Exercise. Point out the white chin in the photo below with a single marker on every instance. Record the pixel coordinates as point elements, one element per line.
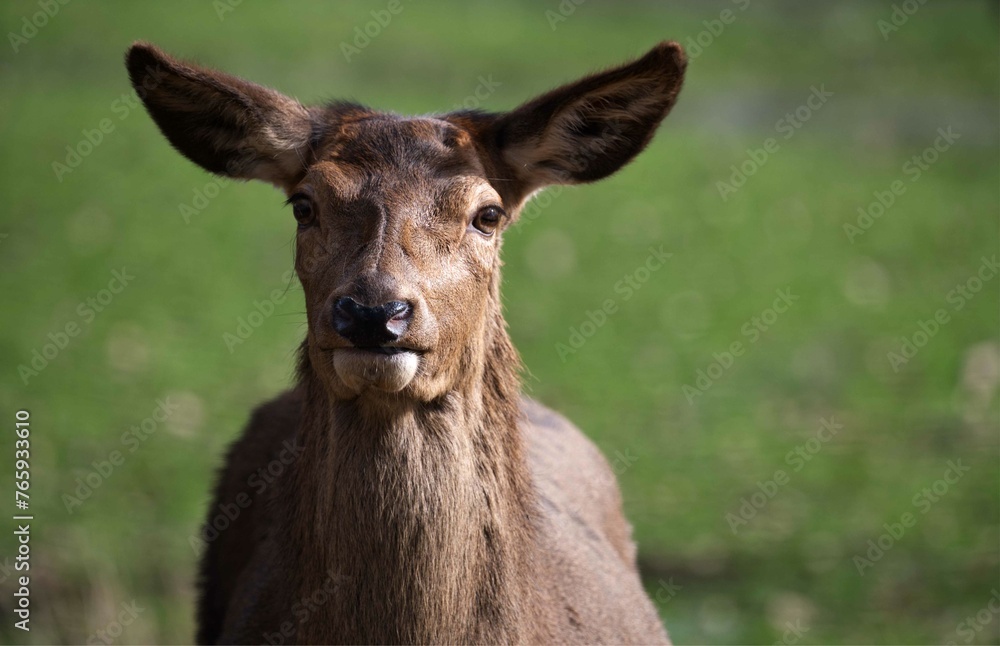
<point>361,369</point>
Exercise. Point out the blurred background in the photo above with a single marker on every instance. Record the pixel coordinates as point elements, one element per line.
<point>828,189</point>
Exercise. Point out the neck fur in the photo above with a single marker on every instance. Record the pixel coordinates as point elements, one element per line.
<point>419,514</point>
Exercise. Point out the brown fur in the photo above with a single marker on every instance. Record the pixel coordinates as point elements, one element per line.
<point>436,505</point>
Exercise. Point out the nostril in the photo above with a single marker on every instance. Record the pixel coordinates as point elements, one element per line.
<point>397,311</point>
<point>344,313</point>
<point>397,315</point>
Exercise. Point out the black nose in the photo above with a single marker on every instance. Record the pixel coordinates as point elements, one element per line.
<point>370,326</point>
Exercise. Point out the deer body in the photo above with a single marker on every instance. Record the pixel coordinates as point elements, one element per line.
<point>425,500</point>
<point>568,577</point>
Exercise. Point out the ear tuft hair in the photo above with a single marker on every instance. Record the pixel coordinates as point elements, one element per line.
<point>222,123</point>
<point>587,130</point>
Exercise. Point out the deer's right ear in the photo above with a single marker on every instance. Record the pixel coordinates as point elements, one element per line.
<point>222,123</point>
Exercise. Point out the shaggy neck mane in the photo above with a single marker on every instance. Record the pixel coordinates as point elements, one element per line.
<point>418,517</point>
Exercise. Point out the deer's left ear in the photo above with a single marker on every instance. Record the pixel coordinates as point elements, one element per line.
<point>587,130</point>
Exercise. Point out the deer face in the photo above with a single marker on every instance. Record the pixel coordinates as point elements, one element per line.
<point>399,221</point>
<point>398,246</point>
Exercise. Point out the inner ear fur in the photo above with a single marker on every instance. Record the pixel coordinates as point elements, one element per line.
<point>224,124</point>
<point>587,130</point>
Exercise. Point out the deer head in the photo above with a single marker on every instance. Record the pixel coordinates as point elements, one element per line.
<point>400,220</point>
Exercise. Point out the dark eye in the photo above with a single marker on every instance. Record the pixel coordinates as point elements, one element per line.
<point>302,209</point>
<point>487,220</point>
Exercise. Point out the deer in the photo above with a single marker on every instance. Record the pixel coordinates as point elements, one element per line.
<point>426,498</point>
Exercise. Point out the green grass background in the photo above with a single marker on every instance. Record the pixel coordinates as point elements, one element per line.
<point>688,464</point>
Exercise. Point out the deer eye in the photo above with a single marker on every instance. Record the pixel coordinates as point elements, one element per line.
<point>302,209</point>
<point>487,220</point>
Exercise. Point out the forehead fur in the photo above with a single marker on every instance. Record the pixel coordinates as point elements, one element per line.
<point>377,143</point>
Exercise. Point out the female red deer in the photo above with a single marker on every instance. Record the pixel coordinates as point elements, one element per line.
<point>426,499</point>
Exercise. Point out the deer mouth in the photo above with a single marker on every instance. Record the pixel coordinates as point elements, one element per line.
<point>385,368</point>
<point>382,349</point>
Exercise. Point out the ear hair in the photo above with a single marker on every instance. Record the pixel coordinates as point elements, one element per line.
<point>587,130</point>
<point>222,123</point>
